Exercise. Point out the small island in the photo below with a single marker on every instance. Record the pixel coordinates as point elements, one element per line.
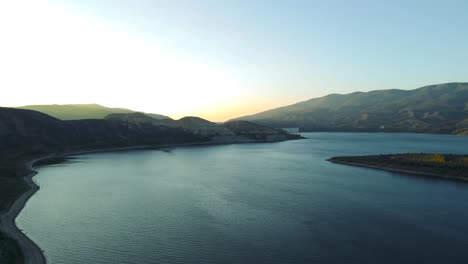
<point>449,166</point>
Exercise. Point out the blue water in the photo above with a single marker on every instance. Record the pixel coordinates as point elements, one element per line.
<point>251,203</point>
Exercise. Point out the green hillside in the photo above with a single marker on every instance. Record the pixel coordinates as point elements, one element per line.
<point>81,111</point>
<point>439,108</point>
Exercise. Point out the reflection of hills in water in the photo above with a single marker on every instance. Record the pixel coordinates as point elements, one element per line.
<point>56,161</point>
<point>167,150</point>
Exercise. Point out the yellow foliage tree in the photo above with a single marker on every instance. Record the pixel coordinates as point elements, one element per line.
<point>438,158</point>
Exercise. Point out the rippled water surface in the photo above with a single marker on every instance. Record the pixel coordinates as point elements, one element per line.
<point>251,203</point>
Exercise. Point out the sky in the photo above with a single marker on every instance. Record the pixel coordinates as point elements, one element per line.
<point>220,59</point>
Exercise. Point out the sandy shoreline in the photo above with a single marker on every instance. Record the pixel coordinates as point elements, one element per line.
<point>390,169</point>
<point>32,253</point>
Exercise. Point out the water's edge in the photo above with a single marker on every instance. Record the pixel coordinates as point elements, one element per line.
<point>32,253</point>
<point>237,199</point>
<point>400,171</point>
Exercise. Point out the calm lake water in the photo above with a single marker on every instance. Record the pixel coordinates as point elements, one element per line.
<point>251,203</point>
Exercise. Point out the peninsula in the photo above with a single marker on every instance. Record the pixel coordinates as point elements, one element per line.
<point>427,164</point>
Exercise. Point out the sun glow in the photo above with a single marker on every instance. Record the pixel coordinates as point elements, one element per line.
<point>51,55</point>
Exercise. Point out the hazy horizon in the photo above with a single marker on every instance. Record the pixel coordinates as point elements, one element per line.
<point>247,114</point>
<point>223,59</point>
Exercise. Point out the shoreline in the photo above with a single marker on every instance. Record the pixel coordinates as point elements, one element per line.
<point>32,253</point>
<point>401,171</point>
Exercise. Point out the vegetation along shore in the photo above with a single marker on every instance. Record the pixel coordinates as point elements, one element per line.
<point>427,164</point>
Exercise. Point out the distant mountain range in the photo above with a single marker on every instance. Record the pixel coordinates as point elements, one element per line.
<point>81,111</point>
<point>439,108</point>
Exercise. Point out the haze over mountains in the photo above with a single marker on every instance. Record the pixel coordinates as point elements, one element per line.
<point>81,111</point>
<point>439,108</point>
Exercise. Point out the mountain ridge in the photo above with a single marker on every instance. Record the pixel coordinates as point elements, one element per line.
<point>22,128</point>
<point>82,111</point>
<point>440,108</point>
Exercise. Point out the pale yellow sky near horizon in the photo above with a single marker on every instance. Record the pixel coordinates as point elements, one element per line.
<point>218,114</point>
<point>84,60</point>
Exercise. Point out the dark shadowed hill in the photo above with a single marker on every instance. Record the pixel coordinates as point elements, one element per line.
<point>439,108</point>
<point>21,128</point>
<point>26,135</point>
<point>81,111</point>
<point>229,132</point>
<point>194,124</point>
<point>26,128</point>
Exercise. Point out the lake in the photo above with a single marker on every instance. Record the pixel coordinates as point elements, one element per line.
<point>251,203</point>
